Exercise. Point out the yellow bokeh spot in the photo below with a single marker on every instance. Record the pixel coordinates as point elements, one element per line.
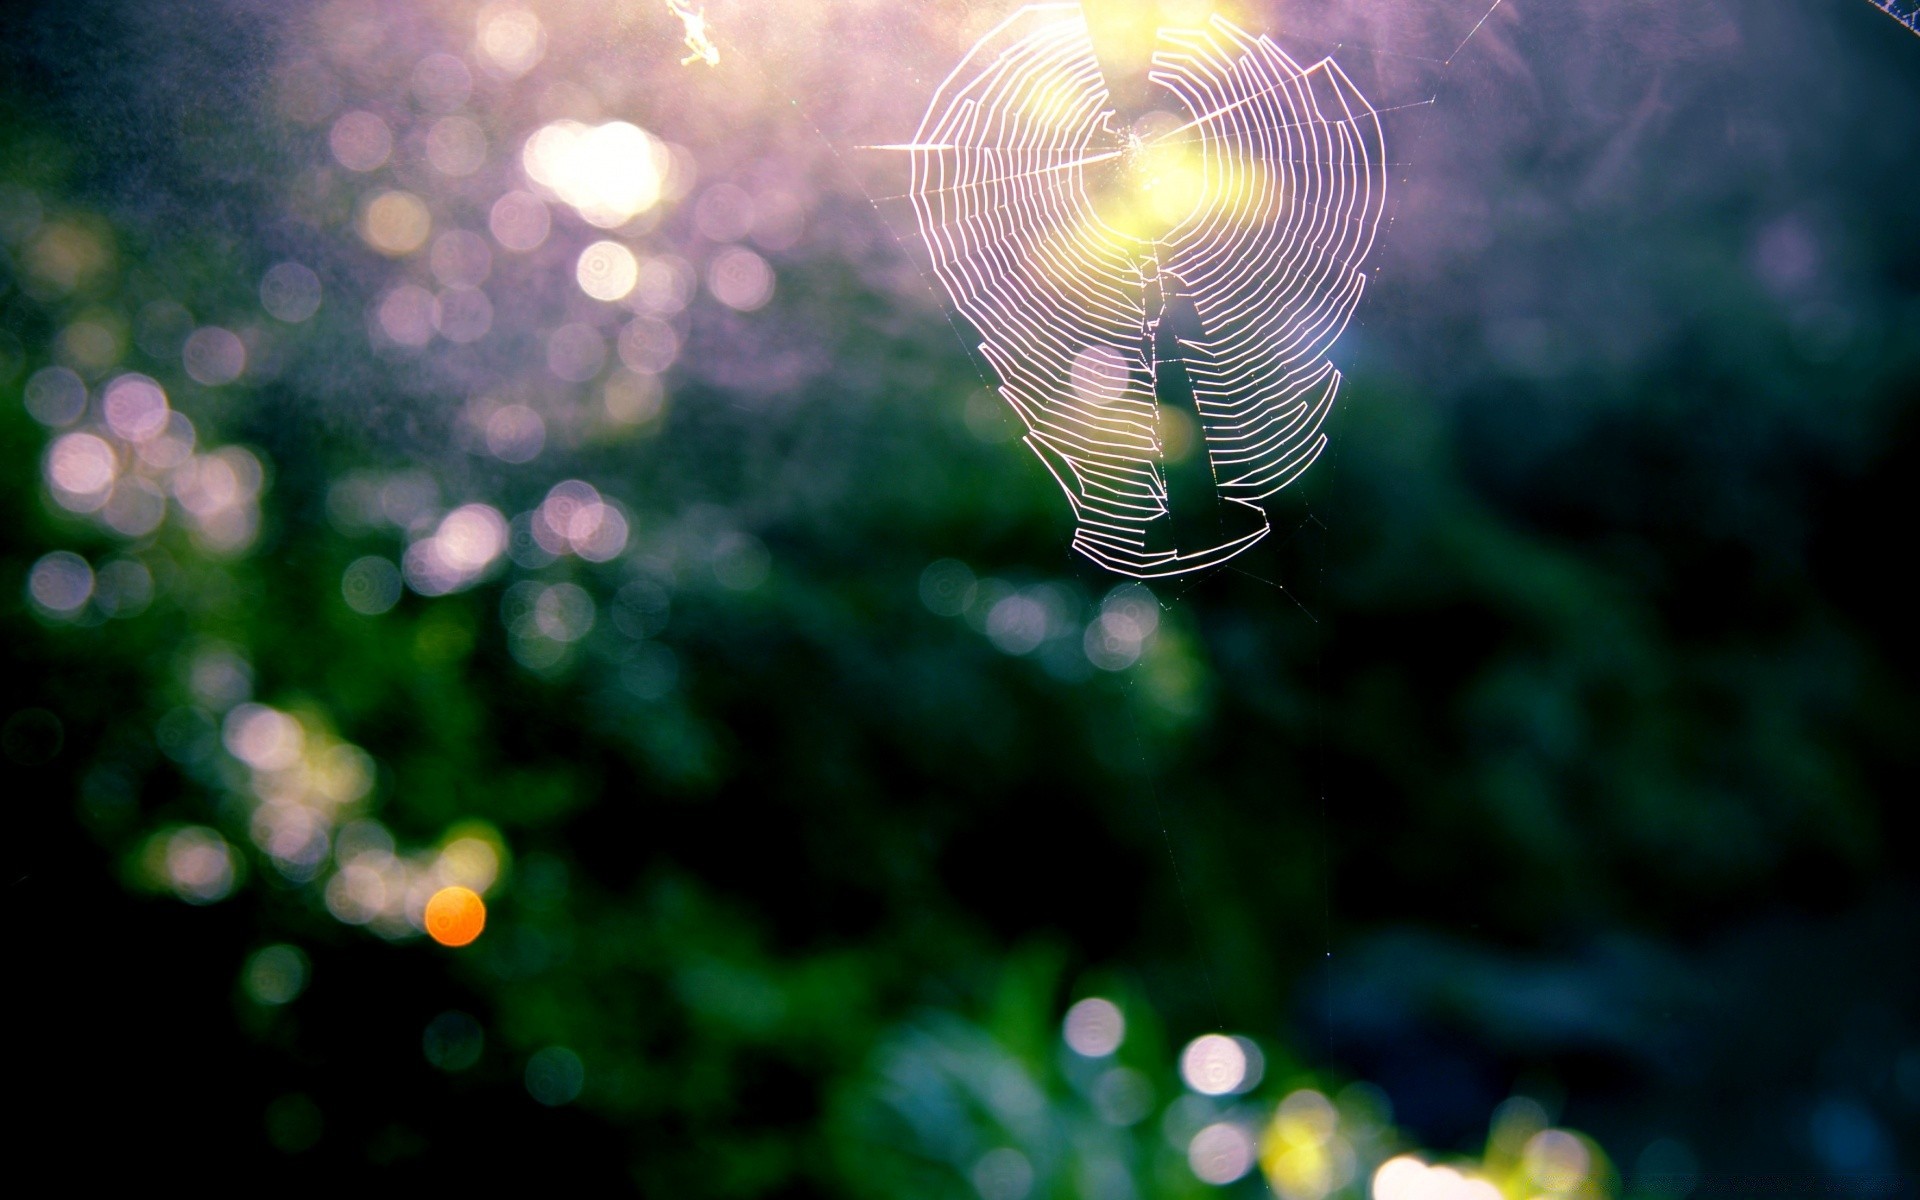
<point>1170,178</point>
<point>1072,252</point>
<point>1053,102</point>
<point>395,223</point>
<point>1302,1153</point>
<point>1158,180</point>
<point>1177,434</point>
<point>67,254</point>
<point>1302,1171</point>
<point>472,855</point>
<point>1131,29</point>
<point>1122,27</point>
<point>609,173</point>
<point>455,916</point>
<point>1187,14</point>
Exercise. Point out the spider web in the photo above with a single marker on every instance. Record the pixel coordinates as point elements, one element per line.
<point>1135,283</point>
<point>1907,12</point>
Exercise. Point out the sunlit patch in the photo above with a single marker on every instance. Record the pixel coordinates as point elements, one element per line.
<point>1556,1160</point>
<point>606,271</point>
<point>740,279</point>
<point>1515,1123</point>
<point>135,508</point>
<point>1119,633</point>
<point>214,356</point>
<point>80,470</point>
<point>515,433</point>
<point>294,834</point>
<point>94,343</point>
<point>1100,375</point>
<point>460,258</point>
<point>1406,1177</point>
<point>1306,1116</point>
<point>1221,1153</point>
<point>456,146</point>
<point>519,221</point>
<point>1157,182</point>
<point>455,916</point>
<point>724,213</point>
<point>395,223</point>
<point>575,519</point>
<point>297,786</point>
<point>664,285</point>
<point>462,314</point>
<point>1123,32</point>
<point>470,861</point>
<point>1016,624</point>
<point>359,891</point>
<point>470,537</point>
<point>219,676</point>
<point>408,315</point>
<point>1094,1027</point>
<point>66,255</point>
<point>135,408</point>
<point>195,862</point>
<point>360,141</point>
<point>263,738</point>
<point>172,446</point>
<point>1113,641</point>
<point>1056,103</point>
<point>465,544</point>
<point>633,398</point>
<point>607,173</point>
<point>1302,1153</point>
<point>441,83</point>
<point>219,494</point>
<point>511,39</point>
<point>647,346</point>
<point>1176,431</point>
<point>1213,1064</point>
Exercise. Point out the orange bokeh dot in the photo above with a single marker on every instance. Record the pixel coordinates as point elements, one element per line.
<point>455,916</point>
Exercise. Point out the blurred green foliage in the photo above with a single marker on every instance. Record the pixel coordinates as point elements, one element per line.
<point>1562,747</point>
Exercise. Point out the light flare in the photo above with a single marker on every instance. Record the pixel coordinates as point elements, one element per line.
<point>607,173</point>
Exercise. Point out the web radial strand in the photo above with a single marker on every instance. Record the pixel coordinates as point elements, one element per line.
<point>1290,187</point>
<point>1907,12</point>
